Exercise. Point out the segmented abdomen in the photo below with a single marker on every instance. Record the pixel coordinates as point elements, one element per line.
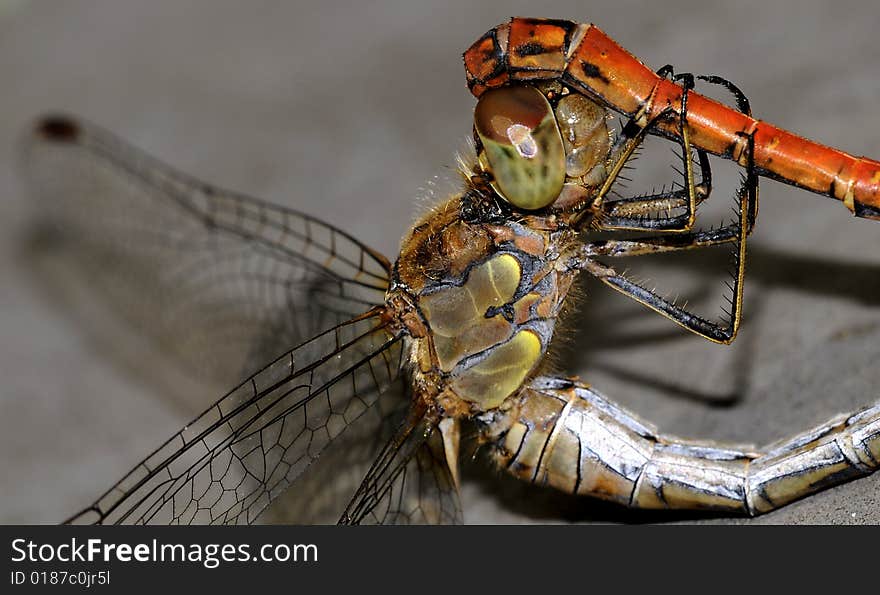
<point>567,436</point>
<point>585,58</point>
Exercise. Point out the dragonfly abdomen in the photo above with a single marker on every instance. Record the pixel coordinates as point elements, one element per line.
<point>559,432</point>
<point>583,57</point>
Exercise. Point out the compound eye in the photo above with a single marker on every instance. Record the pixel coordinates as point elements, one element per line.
<point>522,146</point>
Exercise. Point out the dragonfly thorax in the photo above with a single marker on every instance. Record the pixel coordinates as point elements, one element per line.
<point>488,295</point>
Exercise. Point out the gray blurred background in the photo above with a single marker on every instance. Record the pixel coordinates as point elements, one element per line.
<point>347,110</point>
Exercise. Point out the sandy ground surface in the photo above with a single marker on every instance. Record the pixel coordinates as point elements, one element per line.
<point>346,111</point>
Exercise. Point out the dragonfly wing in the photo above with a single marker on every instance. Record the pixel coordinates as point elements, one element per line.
<point>325,488</point>
<point>221,282</point>
<point>251,445</point>
<point>409,482</point>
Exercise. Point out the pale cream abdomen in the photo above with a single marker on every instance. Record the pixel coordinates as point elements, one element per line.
<point>563,434</point>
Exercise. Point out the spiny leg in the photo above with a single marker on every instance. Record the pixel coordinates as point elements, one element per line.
<point>691,240</point>
<point>659,244</point>
<point>736,233</point>
<point>643,207</point>
<point>743,105</point>
<point>720,333</point>
<point>634,213</point>
<point>639,213</point>
<point>562,433</point>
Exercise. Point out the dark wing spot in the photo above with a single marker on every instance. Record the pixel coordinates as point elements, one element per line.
<point>58,128</point>
<point>531,48</point>
<point>593,72</point>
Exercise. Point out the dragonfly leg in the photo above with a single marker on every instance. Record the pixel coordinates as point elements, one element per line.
<point>691,240</point>
<point>665,243</point>
<point>743,105</point>
<point>563,434</point>
<point>641,213</point>
<point>645,208</point>
<point>735,233</point>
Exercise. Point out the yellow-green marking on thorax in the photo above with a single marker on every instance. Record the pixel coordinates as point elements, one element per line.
<point>501,373</point>
<point>460,328</point>
<point>457,315</point>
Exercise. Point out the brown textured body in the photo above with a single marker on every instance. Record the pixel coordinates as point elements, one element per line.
<point>583,56</point>
<point>487,294</point>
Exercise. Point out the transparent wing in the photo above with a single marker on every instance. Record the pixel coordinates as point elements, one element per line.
<point>325,488</point>
<point>420,492</point>
<point>409,482</point>
<point>221,282</point>
<point>234,459</point>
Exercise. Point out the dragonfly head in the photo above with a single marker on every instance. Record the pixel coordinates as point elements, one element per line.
<point>541,146</point>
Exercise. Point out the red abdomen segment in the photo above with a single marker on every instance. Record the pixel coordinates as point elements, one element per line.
<point>586,59</point>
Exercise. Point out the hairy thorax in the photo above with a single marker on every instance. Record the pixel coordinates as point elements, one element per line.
<point>480,299</point>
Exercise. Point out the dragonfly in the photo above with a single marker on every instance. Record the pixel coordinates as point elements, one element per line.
<point>384,363</point>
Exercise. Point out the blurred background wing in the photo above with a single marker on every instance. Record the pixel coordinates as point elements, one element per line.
<point>221,283</point>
